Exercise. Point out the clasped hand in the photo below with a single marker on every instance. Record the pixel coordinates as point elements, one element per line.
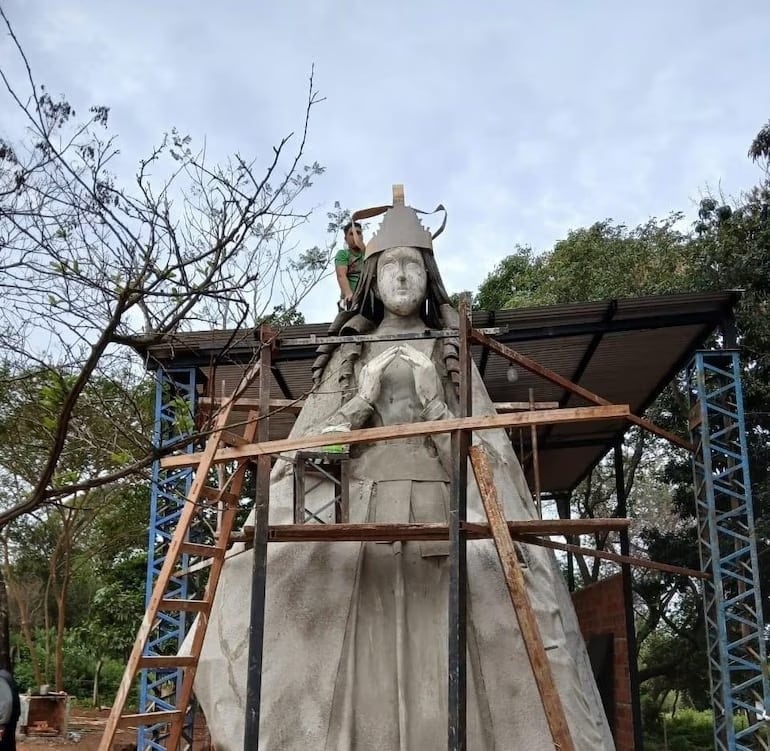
<point>426,380</point>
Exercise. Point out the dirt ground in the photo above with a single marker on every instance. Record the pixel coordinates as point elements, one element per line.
<point>88,725</point>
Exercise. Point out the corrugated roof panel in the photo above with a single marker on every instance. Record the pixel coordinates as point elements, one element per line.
<point>642,341</point>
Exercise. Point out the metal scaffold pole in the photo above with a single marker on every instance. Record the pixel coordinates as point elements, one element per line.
<point>728,551</point>
<point>174,410</point>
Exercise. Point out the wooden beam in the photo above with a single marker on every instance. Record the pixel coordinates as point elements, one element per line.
<point>525,614</point>
<point>148,718</point>
<point>313,340</point>
<point>608,555</point>
<point>247,404</point>
<point>523,406</point>
<point>427,531</point>
<point>525,531</point>
<point>407,430</point>
<point>550,375</point>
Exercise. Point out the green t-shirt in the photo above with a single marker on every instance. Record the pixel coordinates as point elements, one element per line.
<point>354,261</point>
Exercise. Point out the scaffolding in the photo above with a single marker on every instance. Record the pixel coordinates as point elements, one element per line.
<point>175,407</point>
<point>731,597</point>
<point>243,452</point>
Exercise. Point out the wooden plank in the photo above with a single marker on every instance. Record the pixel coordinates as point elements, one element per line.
<point>175,605</point>
<point>550,375</point>
<point>204,551</point>
<point>154,662</point>
<point>230,438</point>
<point>148,718</point>
<point>409,430</point>
<point>427,531</point>
<point>523,406</point>
<point>608,555</point>
<point>247,404</point>
<point>514,578</point>
<point>215,495</point>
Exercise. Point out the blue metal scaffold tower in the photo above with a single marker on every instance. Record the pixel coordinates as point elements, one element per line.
<point>728,551</point>
<point>174,410</point>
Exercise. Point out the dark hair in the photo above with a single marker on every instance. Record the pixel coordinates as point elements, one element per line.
<point>367,312</point>
<point>347,227</point>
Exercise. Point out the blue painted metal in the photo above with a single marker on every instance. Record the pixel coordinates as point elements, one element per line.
<point>174,411</point>
<point>728,551</point>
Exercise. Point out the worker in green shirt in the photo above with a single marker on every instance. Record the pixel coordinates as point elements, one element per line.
<point>348,263</point>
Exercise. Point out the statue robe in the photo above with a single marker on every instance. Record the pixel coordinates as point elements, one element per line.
<point>355,650</point>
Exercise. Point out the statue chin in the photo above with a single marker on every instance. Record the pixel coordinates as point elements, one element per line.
<point>404,306</point>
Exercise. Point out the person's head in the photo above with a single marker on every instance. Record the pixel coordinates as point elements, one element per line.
<point>402,280</point>
<point>354,240</point>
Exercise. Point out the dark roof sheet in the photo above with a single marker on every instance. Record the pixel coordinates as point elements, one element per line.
<point>624,350</point>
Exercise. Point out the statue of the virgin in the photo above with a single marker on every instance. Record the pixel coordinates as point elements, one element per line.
<point>355,649</point>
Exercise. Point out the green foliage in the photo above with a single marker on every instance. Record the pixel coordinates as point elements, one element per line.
<point>727,247</point>
<point>601,262</point>
<point>516,281</point>
<point>282,316</point>
<point>116,608</point>
<point>80,662</point>
<point>687,730</point>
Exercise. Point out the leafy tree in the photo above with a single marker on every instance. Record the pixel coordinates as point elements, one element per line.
<point>515,282</point>
<point>728,247</point>
<point>88,264</point>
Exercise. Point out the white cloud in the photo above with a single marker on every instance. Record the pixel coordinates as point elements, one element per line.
<point>526,119</point>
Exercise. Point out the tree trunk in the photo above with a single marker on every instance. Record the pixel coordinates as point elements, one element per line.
<point>61,622</point>
<point>95,698</point>
<point>5,626</point>
<point>26,631</point>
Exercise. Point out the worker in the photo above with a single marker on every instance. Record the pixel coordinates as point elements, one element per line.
<point>348,263</point>
<point>10,709</point>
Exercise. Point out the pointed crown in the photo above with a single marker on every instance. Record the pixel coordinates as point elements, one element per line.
<point>400,227</point>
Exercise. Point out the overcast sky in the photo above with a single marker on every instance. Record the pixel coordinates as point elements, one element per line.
<point>525,119</point>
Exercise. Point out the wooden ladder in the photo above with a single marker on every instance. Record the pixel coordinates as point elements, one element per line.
<point>200,494</point>
<point>514,579</point>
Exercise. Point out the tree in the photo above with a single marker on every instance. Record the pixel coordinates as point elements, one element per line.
<point>728,247</point>
<point>48,554</point>
<point>87,264</point>
<point>515,282</point>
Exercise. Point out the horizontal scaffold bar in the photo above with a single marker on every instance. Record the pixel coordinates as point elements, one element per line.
<point>526,531</point>
<point>407,430</point>
<point>400,337</point>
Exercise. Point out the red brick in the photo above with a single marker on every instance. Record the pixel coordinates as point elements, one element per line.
<point>600,610</point>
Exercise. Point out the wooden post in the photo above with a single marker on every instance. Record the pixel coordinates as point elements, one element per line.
<point>514,578</point>
<point>259,571</point>
<point>458,580</point>
<point>535,457</point>
<point>628,600</point>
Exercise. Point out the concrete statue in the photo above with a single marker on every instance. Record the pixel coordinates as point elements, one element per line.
<point>355,651</point>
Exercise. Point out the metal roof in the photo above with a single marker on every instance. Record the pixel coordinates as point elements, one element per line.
<point>625,350</point>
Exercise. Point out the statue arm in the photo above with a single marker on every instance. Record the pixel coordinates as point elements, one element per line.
<point>355,413</point>
<point>437,409</point>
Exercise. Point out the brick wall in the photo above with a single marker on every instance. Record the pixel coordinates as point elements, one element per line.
<point>601,614</point>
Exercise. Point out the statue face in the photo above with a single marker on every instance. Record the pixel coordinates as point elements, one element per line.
<point>402,280</point>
